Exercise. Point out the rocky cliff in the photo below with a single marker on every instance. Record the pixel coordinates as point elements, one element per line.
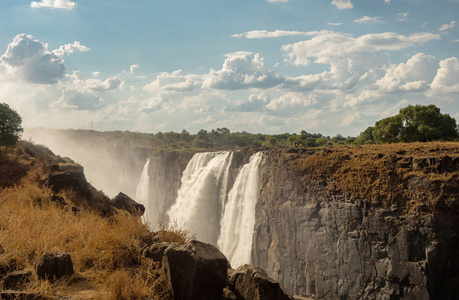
<point>375,222</point>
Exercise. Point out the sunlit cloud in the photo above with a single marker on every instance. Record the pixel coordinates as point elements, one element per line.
<point>63,4</point>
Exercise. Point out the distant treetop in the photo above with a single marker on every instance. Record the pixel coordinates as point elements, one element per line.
<point>10,125</point>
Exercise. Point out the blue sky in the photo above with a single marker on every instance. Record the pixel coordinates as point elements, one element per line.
<point>328,66</point>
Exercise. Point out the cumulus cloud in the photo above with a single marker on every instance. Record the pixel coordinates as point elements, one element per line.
<point>367,19</point>
<point>447,26</point>
<point>174,82</point>
<point>152,104</point>
<point>76,100</point>
<point>30,60</point>
<point>133,68</point>
<point>257,102</point>
<point>64,4</point>
<point>87,85</point>
<point>413,76</point>
<point>342,4</point>
<point>325,48</point>
<point>291,103</point>
<point>334,24</point>
<point>242,70</point>
<point>70,48</point>
<point>261,34</point>
<point>447,78</point>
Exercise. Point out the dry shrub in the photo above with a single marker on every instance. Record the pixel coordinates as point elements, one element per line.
<point>143,283</point>
<point>173,233</point>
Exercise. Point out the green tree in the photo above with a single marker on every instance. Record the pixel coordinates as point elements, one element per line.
<point>10,125</point>
<point>417,123</point>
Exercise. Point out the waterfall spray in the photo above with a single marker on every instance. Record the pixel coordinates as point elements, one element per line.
<point>238,221</point>
<point>142,194</point>
<point>202,195</point>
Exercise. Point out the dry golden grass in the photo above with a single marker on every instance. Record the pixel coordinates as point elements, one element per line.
<point>380,174</point>
<point>106,252</point>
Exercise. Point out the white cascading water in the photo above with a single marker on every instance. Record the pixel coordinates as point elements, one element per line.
<point>201,197</point>
<point>142,194</point>
<point>238,221</point>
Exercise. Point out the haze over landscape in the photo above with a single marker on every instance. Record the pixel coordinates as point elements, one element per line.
<point>267,66</point>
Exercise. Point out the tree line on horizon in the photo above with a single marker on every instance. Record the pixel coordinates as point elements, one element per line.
<point>416,123</point>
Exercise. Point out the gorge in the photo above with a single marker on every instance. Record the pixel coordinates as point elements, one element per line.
<point>371,222</point>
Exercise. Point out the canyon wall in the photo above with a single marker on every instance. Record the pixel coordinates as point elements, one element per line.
<point>318,236</point>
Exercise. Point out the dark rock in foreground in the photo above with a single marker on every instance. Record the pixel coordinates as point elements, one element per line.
<point>54,266</point>
<point>195,271</point>
<point>124,202</point>
<point>253,283</point>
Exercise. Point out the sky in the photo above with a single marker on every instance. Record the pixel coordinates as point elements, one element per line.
<point>261,66</point>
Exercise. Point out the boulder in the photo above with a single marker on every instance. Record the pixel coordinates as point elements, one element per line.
<point>15,279</point>
<point>54,266</point>
<point>67,176</point>
<point>124,202</point>
<point>252,283</point>
<point>195,271</point>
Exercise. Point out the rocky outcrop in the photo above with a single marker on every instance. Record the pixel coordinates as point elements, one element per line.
<point>385,230</point>
<point>54,266</point>
<point>198,270</point>
<point>123,201</point>
<point>248,282</point>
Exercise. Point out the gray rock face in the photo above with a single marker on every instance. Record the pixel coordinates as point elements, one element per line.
<point>195,271</point>
<point>251,283</point>
<point>338,248</point>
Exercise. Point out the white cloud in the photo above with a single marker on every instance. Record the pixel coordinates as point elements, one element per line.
<point>261,34</point>
<point>413,76</point>
<point>447,78</point>
<point>174,82</point>
<point>402,17</point>
<point>334,24</point>
<point>152,104</point>
<point>447,26</point>
<point>30,60</point>
<point>80,83</point>
<point>367,19</point>
<point>291,103</point>
<point>242,70</point>
<point>257,102</point>
<point>69,49</point>
<point>350,118</point>
<point>387,1</point>
<point>76,100</point>
<point>342,4</point>
<point>64,4</point>
<point>328,47</point>
<point>349,58</point>
<point>133,68</point>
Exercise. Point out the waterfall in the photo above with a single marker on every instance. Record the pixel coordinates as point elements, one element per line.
<point>202,194</point>
<point>238,221</point>
<point>142,194</point>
